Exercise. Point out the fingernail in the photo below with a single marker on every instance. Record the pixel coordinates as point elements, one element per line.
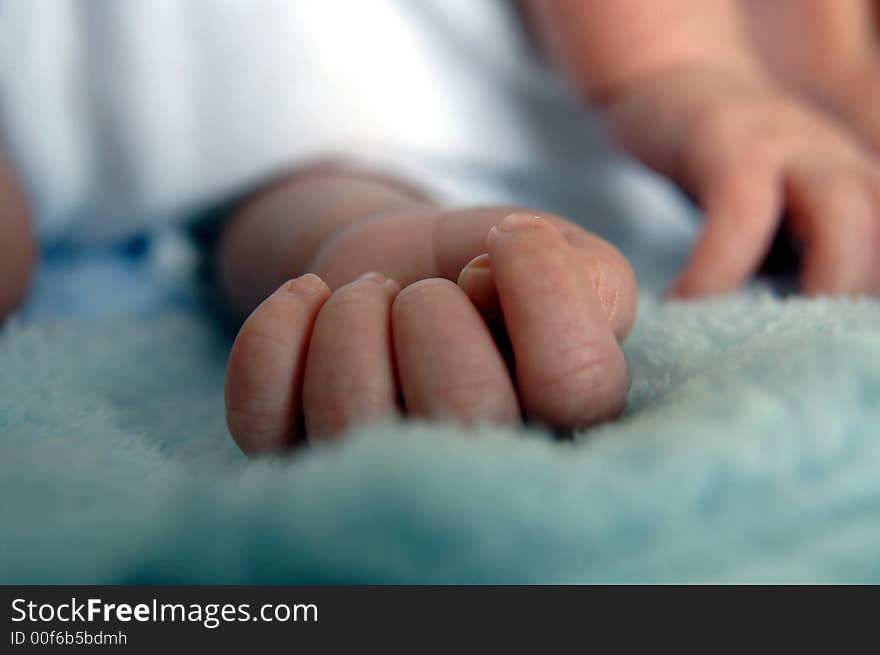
<point>514,223</point>
<point>308,284</point>
<point>373,276</point>
<point>477,267</point>
<point>519,221</point>
<point>386,282</point>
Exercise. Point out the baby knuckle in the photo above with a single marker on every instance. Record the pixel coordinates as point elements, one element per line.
<point>589,392</point>
<point>338,408</point>
<point>256,428</point>
<point>264,333</point>
<point>585,369</point>
<point>471,399</point>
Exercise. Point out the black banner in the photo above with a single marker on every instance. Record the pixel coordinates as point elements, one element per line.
<point>144,618</point>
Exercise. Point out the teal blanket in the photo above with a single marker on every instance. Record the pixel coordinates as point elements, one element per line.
<point>749,452</point>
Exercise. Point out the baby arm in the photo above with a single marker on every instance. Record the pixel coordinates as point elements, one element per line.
<point>373,322</point>
<point>826,49</point>
<point>17,245</point>
<point>682,88</point>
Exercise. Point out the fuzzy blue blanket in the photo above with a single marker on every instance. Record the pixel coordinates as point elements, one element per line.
<point>749,452</point>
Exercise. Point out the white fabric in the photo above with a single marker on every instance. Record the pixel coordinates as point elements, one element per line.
<point>128,115</point>
<point>121,112</point>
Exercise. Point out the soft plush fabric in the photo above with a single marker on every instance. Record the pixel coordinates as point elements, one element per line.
<point>749,452</point>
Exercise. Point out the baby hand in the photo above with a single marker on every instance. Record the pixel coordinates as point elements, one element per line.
<point>311,362</point>
<point>752,156</point>
<point>854,95</point>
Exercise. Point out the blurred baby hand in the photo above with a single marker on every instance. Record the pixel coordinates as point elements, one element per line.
<point>311,361</point>
<point>854,95</point>
<point>752,155</point>
<point>17,242</point>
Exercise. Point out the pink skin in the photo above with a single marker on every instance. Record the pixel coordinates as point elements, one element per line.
<point>569,366</point>
<point>18,247</point>
<point>310,363</point>
<point>747,152</point>
<point>698,103</point>
<point>827,50</point>
<point>751,155</point>
<point>448,364</point>
<point>265,371</point>
<point>349,374</point>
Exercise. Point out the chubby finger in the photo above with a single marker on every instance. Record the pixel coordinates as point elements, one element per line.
<point>610,274</point>
<point>266,367</point>
<point>833,214</point>
<point>476,281</point>
<point>460,238</point>
<point>570,369</point>
<point>447,362</point>
<point>742,206</point>
<point>349,374</point>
